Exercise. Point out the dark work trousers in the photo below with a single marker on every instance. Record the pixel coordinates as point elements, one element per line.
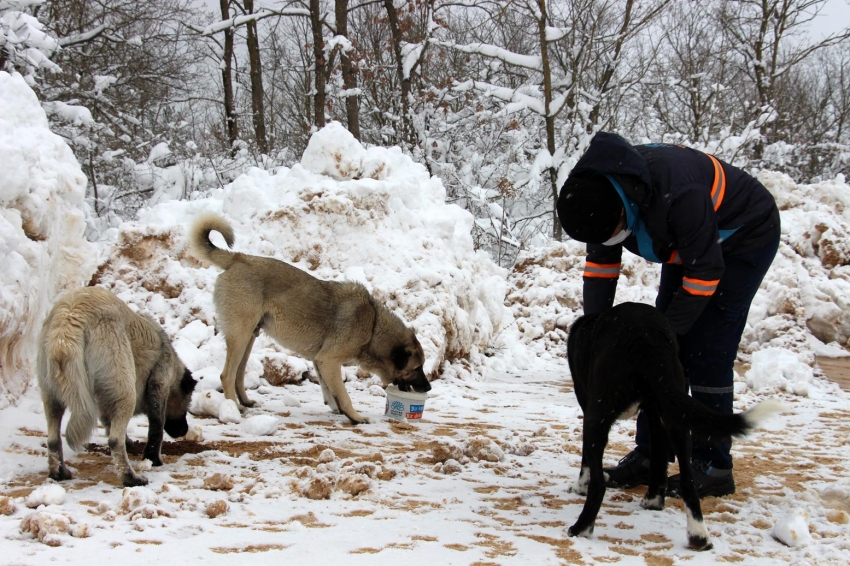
<point>709,349</point>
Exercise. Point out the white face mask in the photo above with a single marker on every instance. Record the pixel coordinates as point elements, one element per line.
<point>614,240</point>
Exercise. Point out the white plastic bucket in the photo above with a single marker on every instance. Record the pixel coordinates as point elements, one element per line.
<point>404,405</point>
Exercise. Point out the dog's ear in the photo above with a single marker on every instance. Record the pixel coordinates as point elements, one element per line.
<point>399,355</point>
<point>188,383</point>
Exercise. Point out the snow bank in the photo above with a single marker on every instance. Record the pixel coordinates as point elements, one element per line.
<point>803,305</point>
<point>42,249</point>
<point>345,212</point>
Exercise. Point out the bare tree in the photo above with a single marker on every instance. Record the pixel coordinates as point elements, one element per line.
<point>770,39</point>
<point>349,76</point>
<point>258,113</point>
<point>231,124</point>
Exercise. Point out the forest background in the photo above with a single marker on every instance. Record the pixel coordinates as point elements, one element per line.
<point>170,99</point>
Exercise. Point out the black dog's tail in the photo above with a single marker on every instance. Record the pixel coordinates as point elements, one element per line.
<point>686,411</point>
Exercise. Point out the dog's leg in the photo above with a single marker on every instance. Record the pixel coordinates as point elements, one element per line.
<point>326,393</point>
<point>579,487</point>
<point>237,340</point>
<point>654,498</point>
<point>118,448</point>
<point>240,372</point>
<point>56,469</point>
<point>594,440</point>
<point>331,374</point>
<point>698,537</point>
<point>155,400</point>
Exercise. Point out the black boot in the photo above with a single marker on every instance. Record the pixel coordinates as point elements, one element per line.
<point>632,470</point>
<point>709,481</point>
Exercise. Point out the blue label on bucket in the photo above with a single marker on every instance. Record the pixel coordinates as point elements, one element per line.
<point>417,408</point>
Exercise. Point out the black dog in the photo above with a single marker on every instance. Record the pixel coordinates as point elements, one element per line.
<point>627,359</point>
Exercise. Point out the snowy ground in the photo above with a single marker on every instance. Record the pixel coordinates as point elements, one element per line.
<point>387,494</point>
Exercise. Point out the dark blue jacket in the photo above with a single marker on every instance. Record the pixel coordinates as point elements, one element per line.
<point>683,207</point>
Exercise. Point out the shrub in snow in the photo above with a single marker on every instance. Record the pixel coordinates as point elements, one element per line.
<point>42,248</point>
<point>52,494</point>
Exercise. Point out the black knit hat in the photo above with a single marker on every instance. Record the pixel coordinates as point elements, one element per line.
<point>589,208</point>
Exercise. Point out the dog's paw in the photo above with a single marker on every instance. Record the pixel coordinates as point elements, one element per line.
<point>700,543</point>
<point>129,480</point>
<point>653,503</point>
<point>575,532</point>
<point>61,474</point>
<point>360,420</point>
<point>578,488</point>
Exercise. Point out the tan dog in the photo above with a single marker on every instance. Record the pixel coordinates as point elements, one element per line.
<point>330,323</point>
<point>99,358</point>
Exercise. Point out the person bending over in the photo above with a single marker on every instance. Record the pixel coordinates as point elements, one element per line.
<point>715,230</point>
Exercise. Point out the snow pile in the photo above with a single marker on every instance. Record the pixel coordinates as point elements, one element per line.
<point>388,226</point>
<point>810,278</point>
<point>803,305</point>
<point>42,249</point>
<point>51,494</point>
<point>212,403</point>
<point>793,529</point>
<point>49,527</point>
<point>775,369</point>
<point>261,425</point>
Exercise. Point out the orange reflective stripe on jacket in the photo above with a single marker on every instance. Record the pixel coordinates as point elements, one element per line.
<point>718,189</point>
<point>699,286</point>
<point>603,270</point>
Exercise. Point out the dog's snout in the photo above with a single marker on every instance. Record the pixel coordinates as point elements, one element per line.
<point>420,383</point>
<point>177,427</point>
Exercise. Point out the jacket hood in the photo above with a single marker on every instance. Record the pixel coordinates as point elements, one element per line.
<point>610,153</point>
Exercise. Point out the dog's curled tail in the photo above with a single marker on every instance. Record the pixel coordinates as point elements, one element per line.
<point>63,375</point>
<point>200,245</point>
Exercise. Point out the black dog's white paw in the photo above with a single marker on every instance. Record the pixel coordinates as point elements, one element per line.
<point>653,503</point>
<point>574,531</point>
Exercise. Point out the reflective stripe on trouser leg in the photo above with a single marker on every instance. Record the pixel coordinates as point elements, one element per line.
<point>709,350</point>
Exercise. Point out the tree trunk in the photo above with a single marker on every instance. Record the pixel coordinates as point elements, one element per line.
<point>395,29</point>
<point>227,80</point>
<point>349,78</point>
<point>549,119</point>
<point>320,63</point>
<point>257,95</point>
